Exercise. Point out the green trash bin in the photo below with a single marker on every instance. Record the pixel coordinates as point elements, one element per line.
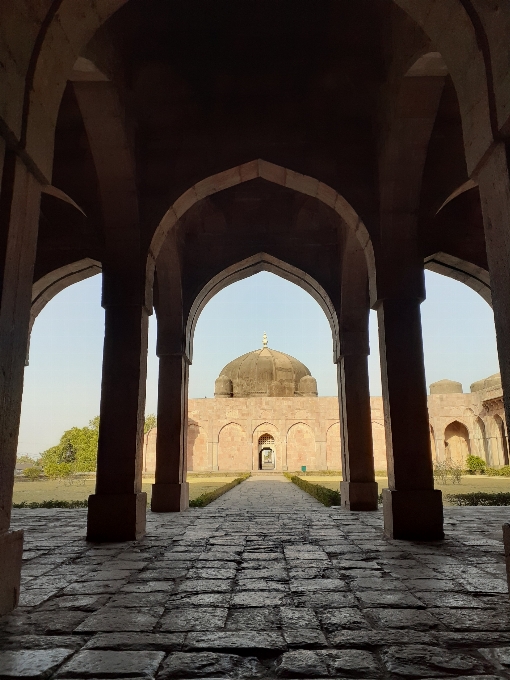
<point>303,468</point>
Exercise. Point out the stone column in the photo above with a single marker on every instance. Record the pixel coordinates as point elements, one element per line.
<point>19,219</point>
<point>412,508</point>
<point>494,186</point>
<point>116,511</point>
<point>170,493</point>
<point>358,488</point>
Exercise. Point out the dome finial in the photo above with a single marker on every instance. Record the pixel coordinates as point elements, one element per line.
<point>264,340</point>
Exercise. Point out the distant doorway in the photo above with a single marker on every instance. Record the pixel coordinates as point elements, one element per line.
<point>457,443</point>
<point>267,457</point>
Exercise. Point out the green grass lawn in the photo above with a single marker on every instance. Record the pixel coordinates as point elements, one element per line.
<point>468,484</point>
<point>77,490</point>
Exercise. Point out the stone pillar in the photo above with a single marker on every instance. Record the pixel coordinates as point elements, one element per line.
<point>494,186</point>
<point>170,493</point>
<point>116,511</point>
<point>19,219</point>
<point>358,489</point>
<point>413,510</point>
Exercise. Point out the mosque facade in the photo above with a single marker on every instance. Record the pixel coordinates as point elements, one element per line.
<point>266,415</point>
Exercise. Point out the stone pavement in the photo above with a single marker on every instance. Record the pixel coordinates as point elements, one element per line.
<point>263,583</point>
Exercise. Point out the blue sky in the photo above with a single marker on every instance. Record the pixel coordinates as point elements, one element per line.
<point>62,381</point>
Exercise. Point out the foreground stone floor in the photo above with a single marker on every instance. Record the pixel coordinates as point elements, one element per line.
<point>263,583</point>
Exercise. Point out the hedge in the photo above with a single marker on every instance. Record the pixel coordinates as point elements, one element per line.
<point>498,472</point>
<point>51,504</point>
<point>326,496</point>
<point>210,496</point>
<point>479,498</point>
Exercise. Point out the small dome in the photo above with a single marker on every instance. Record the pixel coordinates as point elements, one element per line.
<point>446,387</point>
<point>490,383</point>
<point>308,386</point>
<point>223,387</point>
<point>265,372</point>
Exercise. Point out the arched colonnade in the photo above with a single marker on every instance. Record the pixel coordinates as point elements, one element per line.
<point>363,211</point>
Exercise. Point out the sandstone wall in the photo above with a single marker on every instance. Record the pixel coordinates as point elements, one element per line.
<point>223,434</point>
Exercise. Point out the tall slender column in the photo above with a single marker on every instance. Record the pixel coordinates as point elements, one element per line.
<point>412,508</point>
<point>117,510</point>
<point>494,185</point>
<point>19,218</point>
<point>170,493</point>
<point>358,488</point>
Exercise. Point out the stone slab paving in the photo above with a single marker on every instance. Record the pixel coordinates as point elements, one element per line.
<point>263,583</point>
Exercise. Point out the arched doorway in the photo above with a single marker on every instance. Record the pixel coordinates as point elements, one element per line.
<point>481,440</point>
<point>267,452</point>
<point>502,438</point>
<point>456,438</point>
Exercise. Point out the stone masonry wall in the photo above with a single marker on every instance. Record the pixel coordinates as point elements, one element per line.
<point>223,434</point>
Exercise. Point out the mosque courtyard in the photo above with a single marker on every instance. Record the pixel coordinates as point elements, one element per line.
<point>265,582</point>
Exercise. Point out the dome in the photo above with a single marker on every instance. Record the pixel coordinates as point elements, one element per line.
<point>490,383</point>
<point>223,387</point>
<point>265,372</point>
<point>308,386</point>
<point>446,387</point>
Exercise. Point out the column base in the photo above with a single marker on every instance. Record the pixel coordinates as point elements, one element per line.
<point>359,495</point>
<point>11,551</point>
<point>116,517</point>
<point>170,497</point>
<point>415,515</point>
<point>506,543</point>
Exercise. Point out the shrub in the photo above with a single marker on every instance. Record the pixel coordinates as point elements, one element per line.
<point>476,464</point>
<point>51,504</point>
<point>321,473</point>
<point>479,498</point>
<point>447,471</point>
<point>498,472</point>
<point>327,497</point>
<point>206,498</point>
<point>32,473</point>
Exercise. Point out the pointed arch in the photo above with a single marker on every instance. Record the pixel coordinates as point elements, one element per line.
<point>233,449</point>
<point>477,278</point>
<point>457,442</point>
<point>301,447</point>
<point>49,285</point>
<point>249,267</point>
<point>271,173</point>
<point>61,29</point>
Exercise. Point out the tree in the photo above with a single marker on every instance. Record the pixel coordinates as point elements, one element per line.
<point>26,460</point>
<point>76,452</point>
<point>32,473</point>
<point>150,423</point>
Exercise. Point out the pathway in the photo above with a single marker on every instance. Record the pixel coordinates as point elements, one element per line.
<point>265,582</point>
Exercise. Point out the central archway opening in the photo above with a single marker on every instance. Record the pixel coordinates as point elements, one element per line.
<point>262,370</point>
<point>267,452</point>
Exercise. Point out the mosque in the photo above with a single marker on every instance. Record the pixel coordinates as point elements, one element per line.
<point>266,415</point>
